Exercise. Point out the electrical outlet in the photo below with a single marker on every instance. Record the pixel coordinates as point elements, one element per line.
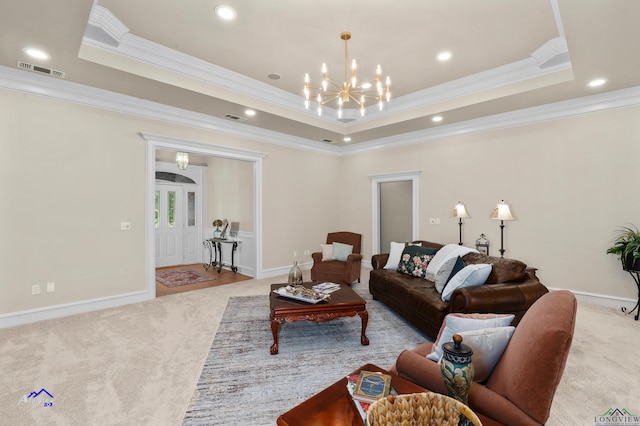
<point>295,254</point>
<point>51,287</point>
<point>437,221</point>
<point>125,226</point>
<point>432,221</point>
<point>35,289</point>
<point>307,252</point>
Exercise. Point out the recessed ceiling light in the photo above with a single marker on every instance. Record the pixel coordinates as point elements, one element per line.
<point>250,112</point>
<point>347,139</point>
<point>226,12</point>
<point>36,53</point>
<point>436,118</point>
<point>597,82</point>
<point>444,56</point>
<point>274,76</point>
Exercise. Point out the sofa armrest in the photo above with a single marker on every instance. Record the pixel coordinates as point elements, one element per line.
<point>487,403</point>
<point>317,257</point>
<point>497,298</point>
<point>353,258</point>
<point>379,260</point>
<point>415,367</point>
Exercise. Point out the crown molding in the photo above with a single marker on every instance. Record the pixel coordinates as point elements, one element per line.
<point>35,84</point>
<point>547,65</point>
<point>63,90</point>
<point>622,98</point>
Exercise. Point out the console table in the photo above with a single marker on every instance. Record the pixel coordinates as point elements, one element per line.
<point>214,245</point>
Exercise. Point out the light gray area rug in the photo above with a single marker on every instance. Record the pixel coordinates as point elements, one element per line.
<point>241,383</point>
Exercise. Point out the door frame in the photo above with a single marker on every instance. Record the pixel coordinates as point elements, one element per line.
<point>376,180</point>
<point>154,142</point>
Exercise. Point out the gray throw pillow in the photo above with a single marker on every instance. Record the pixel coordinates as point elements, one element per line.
<point>446,271</point>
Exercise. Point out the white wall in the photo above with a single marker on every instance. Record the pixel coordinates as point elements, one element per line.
<point>80,171</point>
<point>570,184</point>
<point>72,173</point>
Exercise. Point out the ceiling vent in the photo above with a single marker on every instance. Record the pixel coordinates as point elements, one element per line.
<point>234,117</point>
<point>36,68</point>
<point>327,140</point>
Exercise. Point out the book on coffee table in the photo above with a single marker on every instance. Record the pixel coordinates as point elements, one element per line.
<point>371,386</point>
<point>361,406</point>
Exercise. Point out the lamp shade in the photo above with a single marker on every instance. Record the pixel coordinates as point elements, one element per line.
<point>182,160</point>
<point>459,211</point>
<point>502,212</point>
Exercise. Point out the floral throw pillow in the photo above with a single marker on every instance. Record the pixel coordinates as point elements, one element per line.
<point>414,260</point>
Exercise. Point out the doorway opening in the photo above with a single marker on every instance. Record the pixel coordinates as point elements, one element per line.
<point>395,200</point>
<point>158,142</point>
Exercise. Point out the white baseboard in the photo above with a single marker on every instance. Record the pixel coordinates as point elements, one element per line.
<point>57,311</point>
<point>601,299</point>
<point>284,270</point>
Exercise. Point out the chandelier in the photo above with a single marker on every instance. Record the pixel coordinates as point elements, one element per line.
<point>350,90</point>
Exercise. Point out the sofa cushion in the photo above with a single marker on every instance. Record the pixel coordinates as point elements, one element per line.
<point>487,345</point>
<point>341,251</point>
<point>469,276</point>
<point>445,253</point>
<point>414,260</point>
<point>447,271</point>
<point>503,271</point>
<point>456,323</point>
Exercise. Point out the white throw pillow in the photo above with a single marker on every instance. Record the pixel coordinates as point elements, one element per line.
<point>342,251</point>
<point>488,345</point>
<point>445,253</point>
<point>470,276</point>
<point>327,251</point>
<point>457,323</point>
<point>395,253</point>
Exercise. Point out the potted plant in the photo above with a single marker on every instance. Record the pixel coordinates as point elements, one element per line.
<point>626,246</point>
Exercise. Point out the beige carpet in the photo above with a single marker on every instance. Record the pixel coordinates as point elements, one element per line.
<point>139,364</point>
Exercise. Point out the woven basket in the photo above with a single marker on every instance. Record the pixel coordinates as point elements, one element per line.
<point>416,409</point>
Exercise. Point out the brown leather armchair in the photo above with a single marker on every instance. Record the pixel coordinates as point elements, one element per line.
<point>334,270</point>
<point>520,389</point>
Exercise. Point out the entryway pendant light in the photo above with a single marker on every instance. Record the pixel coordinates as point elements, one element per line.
<point>182,160</point>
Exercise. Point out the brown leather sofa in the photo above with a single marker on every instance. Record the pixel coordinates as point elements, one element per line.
<point>510,288</point>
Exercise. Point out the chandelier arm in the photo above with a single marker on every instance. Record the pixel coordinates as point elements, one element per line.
<point>333,83</point>
<point>336,96</point>
<point>356,100</point>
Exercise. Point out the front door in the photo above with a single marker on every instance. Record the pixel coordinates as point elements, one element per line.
<point>169,222</point>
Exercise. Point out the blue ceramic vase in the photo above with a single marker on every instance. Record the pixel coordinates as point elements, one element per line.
<point>457,368</point>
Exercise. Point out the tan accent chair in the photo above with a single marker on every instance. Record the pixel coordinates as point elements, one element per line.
<point>520,389</point>
<point>334,270</point>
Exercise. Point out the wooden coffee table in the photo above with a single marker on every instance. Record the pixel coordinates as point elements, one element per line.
<point>334,406</point>
<point>343,303</point>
